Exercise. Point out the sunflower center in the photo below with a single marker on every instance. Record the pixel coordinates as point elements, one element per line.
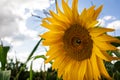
<point>77,42</point>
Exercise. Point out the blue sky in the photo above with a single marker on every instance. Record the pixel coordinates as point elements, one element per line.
<point>110,10</point>
<point>20,30</point>
<point>111,7</point>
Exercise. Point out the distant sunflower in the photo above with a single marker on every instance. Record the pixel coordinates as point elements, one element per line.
<point>77,45</point>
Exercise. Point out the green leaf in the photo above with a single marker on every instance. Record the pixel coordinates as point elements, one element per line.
<point>5,75</point>
<point>43,57</point>
<point>117,53</point>
<point>35,48</point>
<point>118,37</point>
<point>40,56</point>
<point>117,66</point>
<point>116,44</point>
<point>3,55</point>
<point>116,75</point>
<point>29,57</point>
<point>31,71</point>
<point>1,51</point>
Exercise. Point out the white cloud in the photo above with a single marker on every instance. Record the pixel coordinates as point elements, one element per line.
<point>29,33</point>
<point>13,29</point>
<point>13,17</point>
<point>22,56</point>
<point>32,4</point>
<point>101,22</point>
<point>114,24</point>
<point>19,56</point>
<point>110,22</point>
<point>109,18</point>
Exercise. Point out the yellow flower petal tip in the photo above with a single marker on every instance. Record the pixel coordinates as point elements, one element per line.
<point>76,45</point>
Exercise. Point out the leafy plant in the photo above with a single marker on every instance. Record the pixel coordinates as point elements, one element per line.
<point>5,75</point>
<point>3,55</point>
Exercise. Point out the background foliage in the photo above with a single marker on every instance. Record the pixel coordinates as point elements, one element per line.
<point>18,70</point>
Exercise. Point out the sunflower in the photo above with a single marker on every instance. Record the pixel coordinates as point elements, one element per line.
<point>77,45</point>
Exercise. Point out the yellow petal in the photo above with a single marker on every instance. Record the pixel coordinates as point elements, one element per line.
<point>53,26</point>
<point>105,37</point>
<point>90,12</point>
<point>54,55</point>
<point>66,9</point>
<point>82,69</point>
<point>50,42</point>
<point>103,69</point>
<point>93,61</point>
<point>59,11</point>
<point>53,35</point>
<point>54,50</point>
<point>74,73</point>
<point>58,17</point>
<point>98,31</point>
<point>67,1</point>
<point>63,66</point>
<point>87,15</point>
<point>62,15</point>
<point>50,58</point>
<point>91,24</point>
<point>83,14</point>
<point>103,55</point>
<point>110,58</point>
<point>56,21</point>
<point>104,45</point>
<point>57,62</point>
<point>89,71</point>
<point>97,12</point>
<point>75,10</point>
